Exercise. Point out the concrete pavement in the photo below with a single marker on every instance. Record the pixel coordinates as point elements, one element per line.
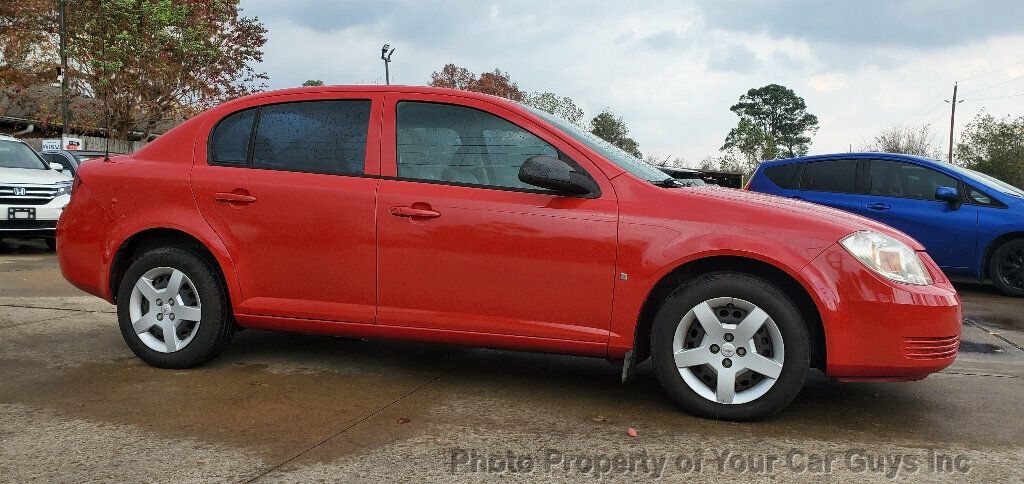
<point>76,405</point>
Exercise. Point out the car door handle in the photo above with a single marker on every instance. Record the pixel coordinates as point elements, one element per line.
<point>415,212</point>
<point>233,198</point>
<point>881,207</point>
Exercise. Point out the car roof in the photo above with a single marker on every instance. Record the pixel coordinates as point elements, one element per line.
<point>372,88</point>
<point>867,154</point>
<point>4,137</point>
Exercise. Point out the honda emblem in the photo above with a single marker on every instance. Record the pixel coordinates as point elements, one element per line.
<point>19,191</point>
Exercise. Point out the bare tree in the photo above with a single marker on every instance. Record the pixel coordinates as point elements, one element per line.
<point>909,140</point>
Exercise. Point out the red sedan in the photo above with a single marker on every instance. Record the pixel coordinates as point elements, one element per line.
<point>448,216</point>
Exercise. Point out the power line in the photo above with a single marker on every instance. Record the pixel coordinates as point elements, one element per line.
<point>933,99</point>
<point>996,85</point>
<point>936,106</point>
<point>997,97</point>
<point>993,71</point>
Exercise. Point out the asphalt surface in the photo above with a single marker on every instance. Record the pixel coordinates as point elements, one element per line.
<point>75,405</point>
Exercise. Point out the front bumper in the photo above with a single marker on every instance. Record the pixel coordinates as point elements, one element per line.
<point>44,224</point>
<point>876,329</point>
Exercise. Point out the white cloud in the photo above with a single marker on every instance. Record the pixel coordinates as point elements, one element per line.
<point>670,69</point>
<point>828,82</point>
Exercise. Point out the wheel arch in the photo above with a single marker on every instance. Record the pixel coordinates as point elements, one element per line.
<point>991,248</point>
<point>764,270</point>
<point>151,238</point>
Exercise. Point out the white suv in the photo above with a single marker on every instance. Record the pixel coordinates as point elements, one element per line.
<point>33,193</point>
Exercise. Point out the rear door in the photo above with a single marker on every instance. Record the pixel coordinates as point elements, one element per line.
<point>831,182</point>
<point>902,195</point>
<point>289,187</point>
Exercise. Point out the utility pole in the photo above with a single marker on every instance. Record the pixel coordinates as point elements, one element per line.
<point>952,121</point>
<point>63,71</point>
<point>386,56</point>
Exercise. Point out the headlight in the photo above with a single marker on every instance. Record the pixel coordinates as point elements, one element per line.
<point>888,257</point>
<point>64,189</point>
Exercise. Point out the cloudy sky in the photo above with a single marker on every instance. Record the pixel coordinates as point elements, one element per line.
<point>673,68</point>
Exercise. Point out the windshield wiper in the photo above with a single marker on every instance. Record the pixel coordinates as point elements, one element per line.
<point>666,183</point>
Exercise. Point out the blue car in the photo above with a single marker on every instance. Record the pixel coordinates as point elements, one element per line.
<point>971,223</point>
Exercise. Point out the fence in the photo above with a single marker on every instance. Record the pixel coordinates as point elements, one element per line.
<point>92,143</point>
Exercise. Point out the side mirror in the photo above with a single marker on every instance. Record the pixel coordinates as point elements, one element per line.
<point>947,194</point>
<point>56,166</point>
<point>554,174</point>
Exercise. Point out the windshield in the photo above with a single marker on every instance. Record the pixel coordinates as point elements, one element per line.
<point>997,184</point>
<point>15,154</point>
<point>613,153</point>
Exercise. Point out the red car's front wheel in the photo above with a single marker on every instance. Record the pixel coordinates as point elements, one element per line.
<point>732,346</point>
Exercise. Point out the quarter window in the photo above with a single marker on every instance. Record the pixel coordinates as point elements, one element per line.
<point>230,140</point>
<point>455,144</point>
<point>783,175</point>
<point>830,176</point>
<point>906,180</point>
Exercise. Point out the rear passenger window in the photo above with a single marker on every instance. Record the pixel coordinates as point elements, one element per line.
<point>461,145</point>
<point>783,175</point>
<point>316,136</point>
<point>906,180</point>
<point>230,141</point>
<point>830,176</point>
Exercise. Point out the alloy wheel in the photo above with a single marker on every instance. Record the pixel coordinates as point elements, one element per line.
<point>728,350</point>
<point>165,310</point>
<point>1011,268</point>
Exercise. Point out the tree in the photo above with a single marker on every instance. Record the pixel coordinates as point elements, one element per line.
<point>905,139</point>
<point>495,83</point>
<point>312,83</point>
<point>452,76</point>
<point>994,147</point>
<point>499,84</point>
<point>773,121</point>
<point>560,106</point>
<point>668,161</point>
<point>612,129</point>
<point>150,60</point>
<point>28,32</point>
<point>748,140</point>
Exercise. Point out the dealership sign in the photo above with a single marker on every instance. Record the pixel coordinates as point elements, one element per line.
<point>63,144</point>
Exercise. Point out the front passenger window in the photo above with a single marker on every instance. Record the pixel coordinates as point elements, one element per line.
<point>906,180</point>
<point>461,145</point>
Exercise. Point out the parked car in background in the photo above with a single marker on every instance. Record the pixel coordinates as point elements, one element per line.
<point>971,223</point>
<point>33,192</point>
<point>456,217</point>
<point>686,177</point>
<point>83,155</point>
<point>63,158</point>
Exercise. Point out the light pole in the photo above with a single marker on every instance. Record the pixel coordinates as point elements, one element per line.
<point>63,72</point>
<point>385,54</point>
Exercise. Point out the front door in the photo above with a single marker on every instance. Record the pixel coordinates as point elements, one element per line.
<point>285,188</point>
<point>903,195</point>
<point>466,246</point>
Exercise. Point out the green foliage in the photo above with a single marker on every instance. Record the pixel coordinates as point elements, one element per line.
<point>612,129</point>
<point>312,82</point>
<point>773,122</point>
<point>560,106</point>
<point>994,147</point>
<point>152,61</point>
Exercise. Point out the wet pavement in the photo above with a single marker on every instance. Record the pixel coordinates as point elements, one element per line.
<point>75,405</point>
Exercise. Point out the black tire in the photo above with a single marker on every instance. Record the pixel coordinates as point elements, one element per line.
<point>217,326</point>
<point>1006,268</point>
<point>51,243</point>
<point>762,294</point>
